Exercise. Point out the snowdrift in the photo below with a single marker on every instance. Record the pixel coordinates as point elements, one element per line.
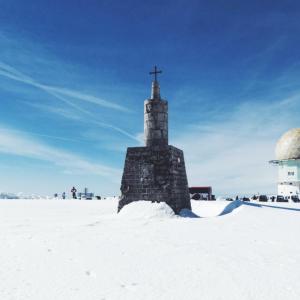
<point>203,209</point>
<point>146,210</point>
<point>214,208</point>
<point>85,250</point>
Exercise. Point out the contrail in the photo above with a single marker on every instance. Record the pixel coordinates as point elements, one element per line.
<point>116,129</point>
<point>29,133</point>
<point>11,73</point>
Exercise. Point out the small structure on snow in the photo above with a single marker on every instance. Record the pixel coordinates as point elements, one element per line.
<point>288,162</point>
<point>86,195</point>
<point>201,193</point>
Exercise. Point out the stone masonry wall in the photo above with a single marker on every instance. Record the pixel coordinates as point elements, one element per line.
<point>156,122</point>
<point>153,174</point>
<point>179,185</point>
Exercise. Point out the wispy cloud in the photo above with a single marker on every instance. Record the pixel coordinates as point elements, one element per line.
<point>57,110</point>
<point>88,98</point>
<point>20,132</point>
<point>18,143</point>
<point>66,113</point>
<point>61,94</point>
<point>12,73</point>
<point>120,130</point>
<point>233,155</point>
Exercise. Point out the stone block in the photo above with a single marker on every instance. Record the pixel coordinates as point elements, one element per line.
<point>159,175</point>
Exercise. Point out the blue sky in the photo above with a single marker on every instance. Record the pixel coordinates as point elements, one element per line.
<point>74,75</point>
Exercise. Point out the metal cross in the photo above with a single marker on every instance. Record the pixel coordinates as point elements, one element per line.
<point>155,72</point>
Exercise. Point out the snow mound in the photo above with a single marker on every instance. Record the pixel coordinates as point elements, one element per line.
<point>206,209</point>
<point>147,210</point>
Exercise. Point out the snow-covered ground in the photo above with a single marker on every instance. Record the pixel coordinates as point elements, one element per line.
<point>59,250</point>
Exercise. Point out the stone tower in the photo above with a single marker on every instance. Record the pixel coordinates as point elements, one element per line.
<point>155,172</point>
<point>156,119</point>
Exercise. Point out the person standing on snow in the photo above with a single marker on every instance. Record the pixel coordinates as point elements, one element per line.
<point>64,195</point>
<point>73,191</point>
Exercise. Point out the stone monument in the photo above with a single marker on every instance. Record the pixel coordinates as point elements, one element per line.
<point>155,172</point>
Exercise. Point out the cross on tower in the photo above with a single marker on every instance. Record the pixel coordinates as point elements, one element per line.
<point>155,72</point>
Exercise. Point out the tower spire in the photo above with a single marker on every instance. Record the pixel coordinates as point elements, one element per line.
<point>155,91</point>
<point>155,72</point>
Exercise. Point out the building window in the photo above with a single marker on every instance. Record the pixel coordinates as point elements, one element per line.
<point>291,173</point>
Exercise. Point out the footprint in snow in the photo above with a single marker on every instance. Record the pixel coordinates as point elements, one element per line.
<point>93,224</point>
<point>130,287</point>
<point>90,273</point>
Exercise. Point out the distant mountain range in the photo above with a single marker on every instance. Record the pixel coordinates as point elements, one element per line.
<point>8,196</point>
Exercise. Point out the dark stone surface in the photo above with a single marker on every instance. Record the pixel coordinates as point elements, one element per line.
<point>156,122</point>
<point>155,174</point>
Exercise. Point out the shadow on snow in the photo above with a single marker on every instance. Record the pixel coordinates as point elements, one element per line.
<point>186,213</point>
<point>271,206</point>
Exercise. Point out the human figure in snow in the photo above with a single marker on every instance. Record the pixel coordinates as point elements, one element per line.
<point>73,191</point>
<point>64,195</point>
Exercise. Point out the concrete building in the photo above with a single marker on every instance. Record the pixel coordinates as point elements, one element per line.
<point>288,162</point>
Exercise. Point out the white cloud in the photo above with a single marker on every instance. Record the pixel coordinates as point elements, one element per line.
<point>17,143</point>
<point>233,155</point>
<point>73,115</point>
<point>12,73</point>
<point>20,132</point>
<point>61,94</point>
<point>140,138</point>
<point>88,98</point>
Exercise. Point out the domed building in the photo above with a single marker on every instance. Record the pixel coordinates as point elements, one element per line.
<point>288,161</point>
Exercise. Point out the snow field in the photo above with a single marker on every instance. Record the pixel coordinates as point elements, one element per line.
<point>84,250</point>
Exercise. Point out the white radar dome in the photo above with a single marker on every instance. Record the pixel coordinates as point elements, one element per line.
<point>288,146</point>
